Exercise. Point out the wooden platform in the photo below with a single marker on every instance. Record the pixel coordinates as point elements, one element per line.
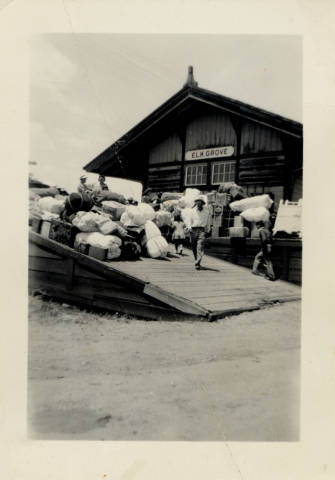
<point>168,288</point>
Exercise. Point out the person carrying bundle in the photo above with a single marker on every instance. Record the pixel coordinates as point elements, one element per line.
<point>198,226</point>
<point>263,257</point>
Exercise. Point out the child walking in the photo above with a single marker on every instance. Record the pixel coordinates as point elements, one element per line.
<point>178,235</point>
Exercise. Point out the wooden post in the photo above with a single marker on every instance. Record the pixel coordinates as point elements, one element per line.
<point>182,136</point>
<point>237,127</point>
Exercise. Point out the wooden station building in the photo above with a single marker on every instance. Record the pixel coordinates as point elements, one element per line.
<point>200,139</point>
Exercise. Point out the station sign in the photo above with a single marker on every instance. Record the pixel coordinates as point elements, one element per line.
<point>214,152</point>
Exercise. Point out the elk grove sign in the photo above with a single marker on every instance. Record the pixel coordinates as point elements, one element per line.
<point>214,152</point>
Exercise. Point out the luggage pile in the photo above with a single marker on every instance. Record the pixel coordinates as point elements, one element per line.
<point>111,230</point>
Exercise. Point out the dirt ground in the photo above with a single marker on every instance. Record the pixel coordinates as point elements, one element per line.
<point>108,377</point>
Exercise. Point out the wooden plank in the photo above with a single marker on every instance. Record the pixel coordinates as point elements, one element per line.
<point>102,268</point>
<point>47,264</point>
<point>173,300</point>
<point>35,250</point>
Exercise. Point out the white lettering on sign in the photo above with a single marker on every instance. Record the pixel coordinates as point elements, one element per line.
<point>214,152</point>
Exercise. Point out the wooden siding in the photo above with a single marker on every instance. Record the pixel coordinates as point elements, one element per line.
<point>266,170</point>
<point>169,150</point>
<point>286,255</point>
<point>257,138</point>
<point>164,178</point>
<point>209,130</point>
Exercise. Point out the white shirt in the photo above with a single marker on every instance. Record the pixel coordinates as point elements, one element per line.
<point>200,218</point>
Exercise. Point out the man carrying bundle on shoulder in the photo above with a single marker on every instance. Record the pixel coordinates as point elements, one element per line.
<point>199,226</point>
<point>263,257</point>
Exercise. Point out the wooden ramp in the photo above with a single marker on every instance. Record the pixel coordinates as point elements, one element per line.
<point>168,288</point>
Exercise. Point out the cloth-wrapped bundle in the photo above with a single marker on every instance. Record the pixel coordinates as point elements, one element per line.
<point>114,208</point>
<point>251,202</point>
<point>256,214</point>
<point>103,195</point>
<point>52,205</point>
<point>157,247</point>
<point>87,221</point>
<point>162,218</point>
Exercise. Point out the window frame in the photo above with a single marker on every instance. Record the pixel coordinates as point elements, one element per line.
<point>192,166</point>
<point>222,162</point>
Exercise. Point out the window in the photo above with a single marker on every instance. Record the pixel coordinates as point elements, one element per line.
<point>196,174</point>
<point>223,172</point>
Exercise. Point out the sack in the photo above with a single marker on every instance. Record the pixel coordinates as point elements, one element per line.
<point>113,252</point>
<point>170,196</point>
<point>256,214</point>
<point>147,211</point>
<point>87,221</point>
<point>189,196</point>
<point>251,202</point>
<point>106,225</point>
<point>103,195</point>
<point>163,218</point>
<point>186,214</point>
<point>50,204</point>
<point>157,247</point>
<point>115,209</point>
<point>151,230</point>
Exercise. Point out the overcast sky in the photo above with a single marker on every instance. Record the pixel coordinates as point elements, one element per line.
<point>89,89</point>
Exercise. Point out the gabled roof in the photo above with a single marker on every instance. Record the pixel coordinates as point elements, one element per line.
<point>189,94</point>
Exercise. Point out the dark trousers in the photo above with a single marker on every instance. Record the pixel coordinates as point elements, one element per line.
<point>197,243</point>
<point>263,259</point>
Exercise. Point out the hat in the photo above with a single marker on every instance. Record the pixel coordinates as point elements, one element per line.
<point>83,176</point>
<point>200,198</point>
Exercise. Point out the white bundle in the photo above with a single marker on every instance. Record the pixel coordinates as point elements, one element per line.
<point>259,214</point>
<point>96,239</point>
<point>186,216</point>
<point>151,230</point>
<point>116,209</point>
<point>251,202</point>
<point>147,210</point>
<point>86,221</point>
<point>163,218</point>
<point>113,252</point>
<point>82,239</point>
<point>169,205</point>
<point>136,215</point>
<point>125,219</point>
<point>49,216</point>
<point>190,195</point>
<point>157,247</point>
<point>106,225</point>
<point>52,205</point>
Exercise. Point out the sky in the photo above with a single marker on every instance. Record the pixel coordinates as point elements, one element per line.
<point>87,90</point>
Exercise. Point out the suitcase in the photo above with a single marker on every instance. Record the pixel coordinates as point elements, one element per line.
<point>98,253</point>
<point>63,232</point>
<point>238,221</point>
<point>238,232</point>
